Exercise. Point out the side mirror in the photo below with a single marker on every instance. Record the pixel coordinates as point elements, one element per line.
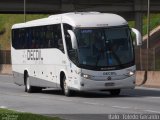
<point>138,36</point>
<point>73,39</point>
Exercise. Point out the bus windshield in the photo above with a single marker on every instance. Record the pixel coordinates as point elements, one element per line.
<point>104,47</point>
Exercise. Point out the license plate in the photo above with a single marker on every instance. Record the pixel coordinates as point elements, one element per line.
<point>109,84</point>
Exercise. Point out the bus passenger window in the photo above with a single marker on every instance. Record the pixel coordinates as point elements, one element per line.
<point>58,37</point>
<point>67,36</point>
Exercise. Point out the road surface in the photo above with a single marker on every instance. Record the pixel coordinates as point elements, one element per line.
<point>89,106</point>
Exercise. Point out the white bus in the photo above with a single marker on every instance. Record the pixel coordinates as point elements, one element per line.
<point>84,51</point>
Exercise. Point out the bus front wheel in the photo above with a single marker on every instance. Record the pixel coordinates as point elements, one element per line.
<point>66,90</point>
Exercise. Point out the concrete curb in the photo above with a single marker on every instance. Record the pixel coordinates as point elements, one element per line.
<point>6,69</point>
<point>153,79</point>
<point>139,77</point>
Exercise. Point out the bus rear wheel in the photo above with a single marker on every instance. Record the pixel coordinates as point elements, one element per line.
<point>29,88</point>
<point>115,92</point>
<point>66,90</point>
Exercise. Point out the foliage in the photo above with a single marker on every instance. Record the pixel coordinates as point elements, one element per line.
<point>6,22</point>
<point>13,115</point>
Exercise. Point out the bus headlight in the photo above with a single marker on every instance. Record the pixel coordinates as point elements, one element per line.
<point>130,73</point>
<point>86,76</point>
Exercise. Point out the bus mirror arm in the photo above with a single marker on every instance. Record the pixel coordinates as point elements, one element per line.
<point>73,39</point>
<point>138,36</point>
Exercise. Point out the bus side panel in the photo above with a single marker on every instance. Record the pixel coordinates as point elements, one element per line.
<point>42,73</point>
<point>45,72</point>
<point>42,76</point>
<point>17,66</point>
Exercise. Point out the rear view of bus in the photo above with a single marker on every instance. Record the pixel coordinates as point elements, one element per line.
<point>98,54</point>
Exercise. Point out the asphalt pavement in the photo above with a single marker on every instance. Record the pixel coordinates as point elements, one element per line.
<point>81,106</point>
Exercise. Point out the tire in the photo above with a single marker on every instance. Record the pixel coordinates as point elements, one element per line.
<point>25,81</point>
<point>67,92</point>
<point>115,92</point>
<point>28,87</point>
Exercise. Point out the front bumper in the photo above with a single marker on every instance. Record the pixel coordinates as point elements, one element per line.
<point>91,85</point>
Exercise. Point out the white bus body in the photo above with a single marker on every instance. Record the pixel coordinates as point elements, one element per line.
<point>60,51</point>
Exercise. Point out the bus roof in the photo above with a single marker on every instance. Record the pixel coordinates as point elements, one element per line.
<point>78,19</point>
